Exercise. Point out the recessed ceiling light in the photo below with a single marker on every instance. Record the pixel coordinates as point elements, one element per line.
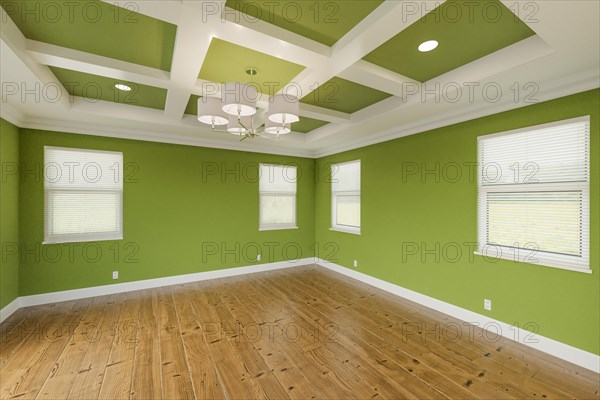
<point>251,71</point>
<point>428,45</point>
<point>125,88</point>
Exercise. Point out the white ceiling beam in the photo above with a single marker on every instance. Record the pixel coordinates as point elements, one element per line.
<point>312,53</point>
<point>238,28</point>
<point>520,53</point>
<point>120,110</point>
<point>16,41</point>
<point>164,10</point>
<point>468,75</point>
<point>270,39</point>
<point>194,34</point>
<point>324,114</point>
<point>62,57</point>
<point>379,78</point>
<point>385,22</point>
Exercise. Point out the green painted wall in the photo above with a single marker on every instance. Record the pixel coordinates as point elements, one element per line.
<point>186,209</point>
<point>9,211</point>
<point>190,209</point>
<point>398,211</point>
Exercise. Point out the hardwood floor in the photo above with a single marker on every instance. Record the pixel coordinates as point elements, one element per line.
<point>299,333</point>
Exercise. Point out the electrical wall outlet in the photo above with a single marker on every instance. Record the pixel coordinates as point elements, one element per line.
<point>258,257</point>
<point>115,274</point>
<point>487,304</point>
<point>355,263</point>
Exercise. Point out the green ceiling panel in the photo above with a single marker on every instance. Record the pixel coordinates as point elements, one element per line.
<point>342,95</point>
<point>96,27</point>
<point>306,124</point>
<point>323,21</point>
<point>465,30</point>
<point>227,62</point>
<point>96,88</point>
<point>192,105</point>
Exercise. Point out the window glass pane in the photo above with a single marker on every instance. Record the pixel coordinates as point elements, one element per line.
<point>545,221</point>
<point>277,210</point>
<point>84,212</point>
<point>348,210</point>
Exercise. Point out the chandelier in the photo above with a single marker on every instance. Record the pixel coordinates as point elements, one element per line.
<point>236,108</point>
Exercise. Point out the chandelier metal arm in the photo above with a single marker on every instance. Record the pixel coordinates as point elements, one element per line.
<point>251,134</point>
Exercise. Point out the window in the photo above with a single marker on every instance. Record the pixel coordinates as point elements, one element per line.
<point>277,189</point>
<point>83,192</point>
<point>345,197</point>
<point>534,195</point>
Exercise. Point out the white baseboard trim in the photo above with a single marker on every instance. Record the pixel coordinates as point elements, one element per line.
<point>569,353</point>
<point>9,309</point>
<point>572,354</point>
<point>55,297</point>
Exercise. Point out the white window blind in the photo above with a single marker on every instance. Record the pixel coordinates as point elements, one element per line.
<point>534,194</point>
<point>277,188</point>
<point>345,197</point>
<point>83,195</point>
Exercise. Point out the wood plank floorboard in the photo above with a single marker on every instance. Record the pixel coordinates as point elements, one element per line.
<point>300,333</point>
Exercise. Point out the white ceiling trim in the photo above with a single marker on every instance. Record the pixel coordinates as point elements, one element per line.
<point>114,131</point>
<point>191,46</point>
<point>569,85</point>
<point>164,10</point>
<point>385,22</point>
<point>12,115</point>
<point>311,54</point>
<point>518,54</point>
<point>551,59</point>
<point>62,57</point>
<point>379,78</point>
<point>16,41</point>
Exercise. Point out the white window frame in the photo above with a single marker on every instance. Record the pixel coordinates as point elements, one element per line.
<point>547,259</point>
<point>334,225</point>
<point>275,227</point>
<point>80,237</point>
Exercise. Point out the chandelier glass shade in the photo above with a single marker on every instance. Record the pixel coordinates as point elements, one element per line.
<point>211,112</point>
<point>284,109</point>
<point>276,128</point>
<point>238,99</point>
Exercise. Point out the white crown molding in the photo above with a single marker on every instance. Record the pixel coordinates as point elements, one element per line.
<point>585,81</point>
<point>551,48</point>
<point>159,137</point>
<point>569,85</point>
<point>12,115</point>
<point>558,349</point>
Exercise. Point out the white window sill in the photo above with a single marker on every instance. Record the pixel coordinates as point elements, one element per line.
<point>276,227</point>
<point>81,239</point>
<point>541,261</point>
<point>354,231</point>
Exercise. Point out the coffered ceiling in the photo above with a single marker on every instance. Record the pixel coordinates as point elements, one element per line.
<point>354,64</point>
